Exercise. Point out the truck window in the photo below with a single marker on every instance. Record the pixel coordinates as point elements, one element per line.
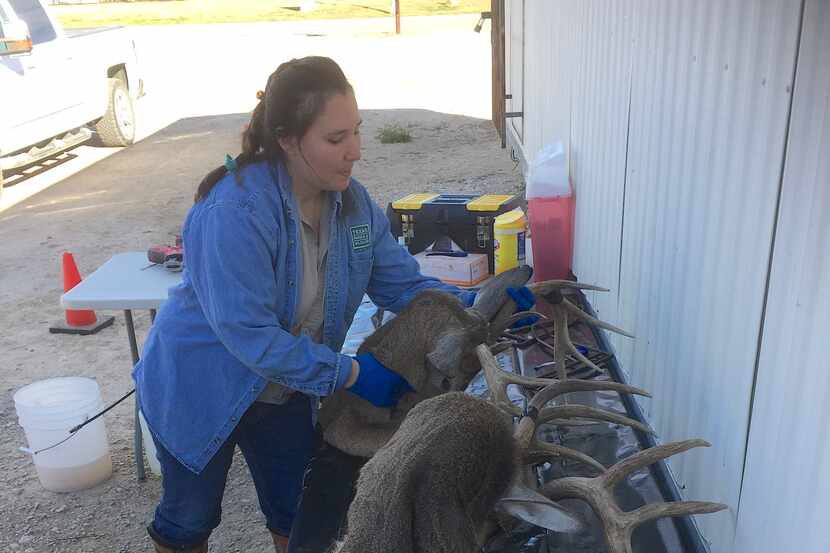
<point>35,17</point>
<point>3,19</point>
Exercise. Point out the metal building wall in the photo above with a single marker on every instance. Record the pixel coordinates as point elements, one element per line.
<point>577,73</point>
<point>710,102</point>
<point>514,22</point>
<point>676,124</point>
<point>600,100</point>
<point>785,503</point>
<point>550,37</point>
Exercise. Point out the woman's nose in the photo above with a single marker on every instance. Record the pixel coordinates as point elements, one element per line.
<point>353,150</point>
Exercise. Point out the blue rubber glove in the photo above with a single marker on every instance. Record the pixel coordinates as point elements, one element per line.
<point>524,300</point>
<point>377,384</point>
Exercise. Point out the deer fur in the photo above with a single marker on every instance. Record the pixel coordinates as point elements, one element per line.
<point>432,487</point>
<point>357,427</point>
<point>431,344</point>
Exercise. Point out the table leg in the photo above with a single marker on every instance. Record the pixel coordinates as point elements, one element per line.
<point>138,447</point>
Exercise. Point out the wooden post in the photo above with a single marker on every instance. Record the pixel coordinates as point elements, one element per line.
<point>397,17</point>
<point>499,70</point>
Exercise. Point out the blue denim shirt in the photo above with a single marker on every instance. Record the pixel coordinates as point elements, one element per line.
<point>224,331</point>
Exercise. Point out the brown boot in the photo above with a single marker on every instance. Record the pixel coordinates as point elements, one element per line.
<point>201,548</point>
<point>280,542</point>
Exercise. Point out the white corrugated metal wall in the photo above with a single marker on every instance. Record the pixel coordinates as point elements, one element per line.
<point>676,119</point>
<point>785,502</point>
<point>709,113</point>
<point>515,64</point>
<point>600,101</point>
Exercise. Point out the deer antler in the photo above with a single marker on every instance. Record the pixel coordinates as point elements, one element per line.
<point>598,492</point>
<point>561,308</point>
<point>498,380</point>
<point>536,451</point>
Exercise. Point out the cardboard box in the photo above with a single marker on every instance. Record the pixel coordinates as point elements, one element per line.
<point>461,271</point>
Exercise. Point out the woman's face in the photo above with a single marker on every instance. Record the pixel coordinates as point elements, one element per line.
<point>322,159</point>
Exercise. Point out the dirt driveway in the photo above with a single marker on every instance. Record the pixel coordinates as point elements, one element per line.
<point>436,83</point>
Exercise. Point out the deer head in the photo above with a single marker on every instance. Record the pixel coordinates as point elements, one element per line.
<point>457,459</point>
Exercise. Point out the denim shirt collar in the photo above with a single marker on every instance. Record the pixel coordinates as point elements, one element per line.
<point>283,182</point>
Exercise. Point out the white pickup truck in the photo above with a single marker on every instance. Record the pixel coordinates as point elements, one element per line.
<point>59,89</point>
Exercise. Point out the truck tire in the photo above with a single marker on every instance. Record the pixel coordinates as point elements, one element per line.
<point>117,126</point>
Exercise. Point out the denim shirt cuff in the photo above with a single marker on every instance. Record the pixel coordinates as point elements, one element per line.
<point>344,370</point>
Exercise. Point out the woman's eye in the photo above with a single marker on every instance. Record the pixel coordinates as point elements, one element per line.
<point>335,140</point>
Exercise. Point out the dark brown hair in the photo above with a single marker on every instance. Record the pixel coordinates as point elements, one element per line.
<point>294,96</point>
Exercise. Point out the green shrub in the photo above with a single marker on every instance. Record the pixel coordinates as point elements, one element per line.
<point>393,134</point>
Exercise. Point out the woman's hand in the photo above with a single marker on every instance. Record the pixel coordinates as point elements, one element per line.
<point>525,300</point>
<point>375,383</point>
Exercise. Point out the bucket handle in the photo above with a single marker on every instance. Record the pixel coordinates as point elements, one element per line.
<point>74,430</point>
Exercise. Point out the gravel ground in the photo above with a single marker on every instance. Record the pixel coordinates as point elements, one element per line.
<point>199,91</point>
<point>134,198</point>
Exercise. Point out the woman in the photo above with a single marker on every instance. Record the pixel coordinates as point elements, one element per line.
<point>280,246</point>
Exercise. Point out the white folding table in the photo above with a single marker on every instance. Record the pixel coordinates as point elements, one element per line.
<point>126,282</point>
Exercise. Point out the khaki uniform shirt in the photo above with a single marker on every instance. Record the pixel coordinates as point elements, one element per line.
<point>313,249</point>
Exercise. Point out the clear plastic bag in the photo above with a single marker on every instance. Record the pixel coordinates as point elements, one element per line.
<point>547,176</point>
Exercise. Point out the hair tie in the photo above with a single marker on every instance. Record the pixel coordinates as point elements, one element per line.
<point>260,95</point>
<point>230,163</point>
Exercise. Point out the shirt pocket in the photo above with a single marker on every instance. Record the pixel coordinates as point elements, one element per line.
<point>360,271</point>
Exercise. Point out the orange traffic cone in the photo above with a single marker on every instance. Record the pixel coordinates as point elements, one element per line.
<point>78,321</point>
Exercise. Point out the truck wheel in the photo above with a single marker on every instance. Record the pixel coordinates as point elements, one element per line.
<point>117,126</point>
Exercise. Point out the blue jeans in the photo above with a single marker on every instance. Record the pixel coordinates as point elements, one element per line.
<point>276,440</point>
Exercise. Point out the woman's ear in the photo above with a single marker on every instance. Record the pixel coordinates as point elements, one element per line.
<point>289,144</point>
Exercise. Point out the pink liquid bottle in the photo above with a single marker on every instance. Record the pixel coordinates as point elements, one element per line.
<point>550,204</point>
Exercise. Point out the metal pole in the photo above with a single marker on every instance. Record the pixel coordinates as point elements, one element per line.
<point>138,446</point>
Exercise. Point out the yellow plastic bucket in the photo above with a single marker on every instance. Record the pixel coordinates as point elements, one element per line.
<point>509,240</point>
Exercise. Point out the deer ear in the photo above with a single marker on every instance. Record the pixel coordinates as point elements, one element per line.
<point>447,354</point>
<point>493,294</point>
<point>530,506</point>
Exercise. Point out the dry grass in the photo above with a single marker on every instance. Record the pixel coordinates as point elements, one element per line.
<point>237,11</point>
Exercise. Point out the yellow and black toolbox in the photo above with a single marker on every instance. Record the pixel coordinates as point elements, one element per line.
<point>466,218</point>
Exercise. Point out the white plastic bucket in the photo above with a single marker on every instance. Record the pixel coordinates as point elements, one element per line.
<point>46,410</point>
